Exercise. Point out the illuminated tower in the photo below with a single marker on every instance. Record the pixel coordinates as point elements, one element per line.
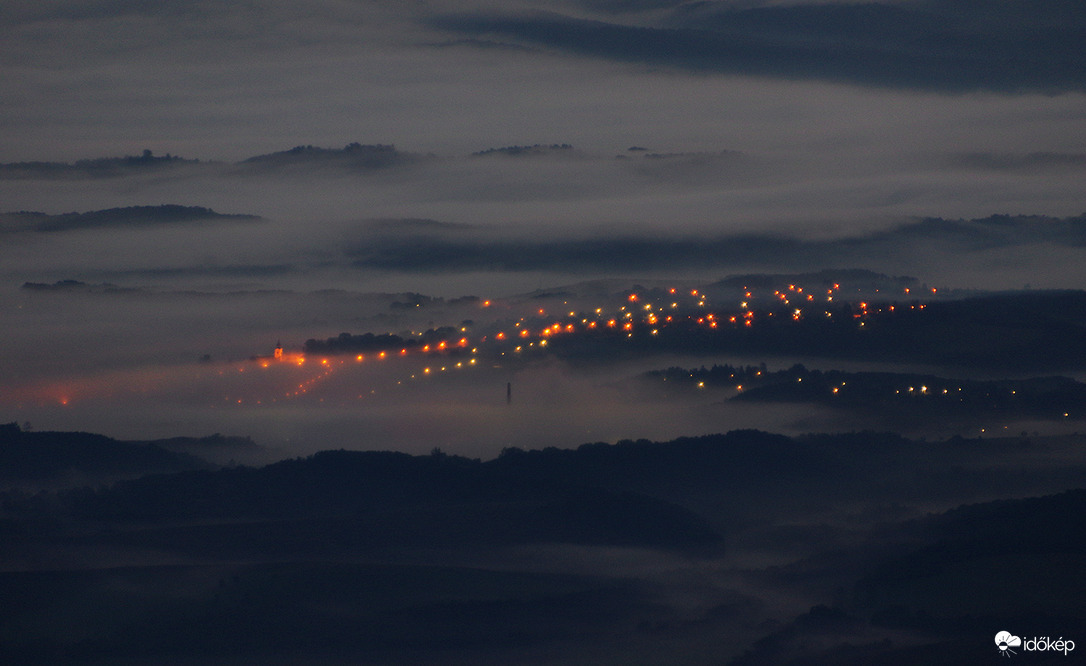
<point>278,351</point>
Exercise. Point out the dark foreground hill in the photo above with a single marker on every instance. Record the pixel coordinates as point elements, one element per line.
<point>67,458</point>
<point>747,547</point>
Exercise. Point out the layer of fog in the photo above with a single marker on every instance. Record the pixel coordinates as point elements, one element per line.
<point>739,154</point>
<point>411,405</point>
<point>317,224</point>
<point>134,380</point>
<point>226,82</point>
<point>730,155</point>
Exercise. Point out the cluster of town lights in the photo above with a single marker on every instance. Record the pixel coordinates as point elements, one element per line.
<point>638,313</point>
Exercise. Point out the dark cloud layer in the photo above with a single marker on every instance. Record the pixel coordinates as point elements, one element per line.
<point>953,45</point>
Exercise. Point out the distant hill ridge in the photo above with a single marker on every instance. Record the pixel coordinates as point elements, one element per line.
<point>80,456</point>
<point>130,216</point>
<point>99,167</point>
<point>353,155</point>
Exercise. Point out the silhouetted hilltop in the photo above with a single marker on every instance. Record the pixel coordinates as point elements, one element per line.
<point>338,501</point>
<point>1030,331</point>
<point>597,493</point>
<point>217,448</point>
<point>902,394</point>
<point>526,151</point>
<point>345,343</point>
<point>352,156</point>
<point>940,585</point>
<point>79,457</point>
<point>100,167</point>
<point>724,462</point>
<point>847,278</point>
<point>132,216</point>
<point>78,285</point>
<point>392,558</point>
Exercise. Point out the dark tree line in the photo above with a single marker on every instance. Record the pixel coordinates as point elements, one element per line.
<point>347,343</point>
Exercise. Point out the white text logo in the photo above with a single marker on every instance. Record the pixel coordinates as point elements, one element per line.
<point>1004,640</point>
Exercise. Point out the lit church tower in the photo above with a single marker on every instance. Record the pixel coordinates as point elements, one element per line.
<point>278,351</point>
